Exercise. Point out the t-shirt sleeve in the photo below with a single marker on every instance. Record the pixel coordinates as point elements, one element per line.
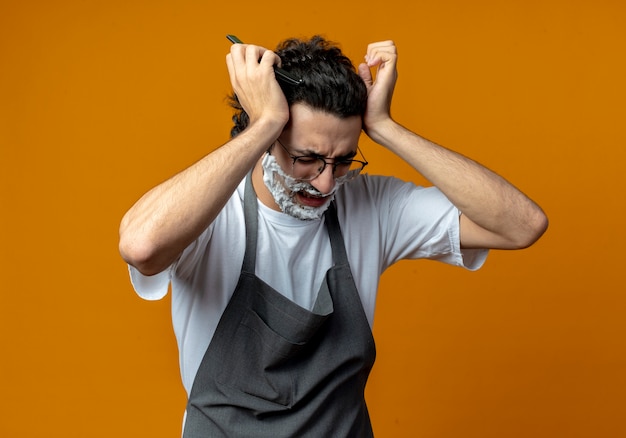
<point>413,222</point>
<point>425,224</point>
<point>472,259</point>
<point>153,287</point>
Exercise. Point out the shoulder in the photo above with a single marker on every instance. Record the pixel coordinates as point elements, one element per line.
<point>381,191</point>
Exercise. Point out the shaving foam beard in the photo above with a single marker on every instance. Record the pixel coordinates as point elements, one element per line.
<point>284,189</point>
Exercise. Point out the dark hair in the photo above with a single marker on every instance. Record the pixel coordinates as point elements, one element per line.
<point>330,82</point>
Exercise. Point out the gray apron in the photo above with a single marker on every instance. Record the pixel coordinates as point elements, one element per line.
<point>274,369</point>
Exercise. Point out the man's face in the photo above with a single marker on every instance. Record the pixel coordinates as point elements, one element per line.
<point>310,133</point>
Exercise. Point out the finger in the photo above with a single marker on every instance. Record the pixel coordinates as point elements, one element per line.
<point>271,58</point>
<point>366,74</point>
<point>230,66</point>
<point>233,64</point>
<point>237,52</point>
<point>379,56</point>
<point>234,60</point>
<point>386,43</point>
<point>382,60</point>
<point>380,52</point>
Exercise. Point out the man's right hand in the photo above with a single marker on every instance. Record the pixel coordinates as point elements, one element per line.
<point>253,80</point>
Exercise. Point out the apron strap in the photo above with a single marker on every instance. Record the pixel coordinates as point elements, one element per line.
<point>337,244</point>
<point>252,220</point>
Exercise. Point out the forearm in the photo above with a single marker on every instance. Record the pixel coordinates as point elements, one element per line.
<point>497,215</point>
<point>173,214</point>
<point>494,213</point>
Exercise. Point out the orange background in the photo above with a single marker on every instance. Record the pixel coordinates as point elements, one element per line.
<point>101,100</point>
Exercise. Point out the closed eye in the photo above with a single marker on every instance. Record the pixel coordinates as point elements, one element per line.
<point>307,160</point>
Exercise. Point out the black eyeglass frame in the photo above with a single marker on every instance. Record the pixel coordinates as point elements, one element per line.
<point>349,175</point>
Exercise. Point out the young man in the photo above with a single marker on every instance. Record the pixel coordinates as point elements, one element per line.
<point>274,244</point>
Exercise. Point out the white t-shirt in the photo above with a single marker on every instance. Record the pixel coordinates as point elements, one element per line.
<point>383,220</point>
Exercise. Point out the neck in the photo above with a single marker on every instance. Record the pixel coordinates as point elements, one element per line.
<point>262,192</point>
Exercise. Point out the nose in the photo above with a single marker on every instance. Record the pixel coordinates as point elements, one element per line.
<point>325,181</point>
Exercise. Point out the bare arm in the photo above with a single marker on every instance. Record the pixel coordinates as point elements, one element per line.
<point>495,213</point>
<point>170,216</point>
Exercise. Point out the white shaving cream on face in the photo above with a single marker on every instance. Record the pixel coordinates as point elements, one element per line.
<point>284,188</point>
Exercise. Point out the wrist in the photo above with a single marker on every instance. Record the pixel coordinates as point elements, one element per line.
<point>382,132</point>
<point>266,128</point>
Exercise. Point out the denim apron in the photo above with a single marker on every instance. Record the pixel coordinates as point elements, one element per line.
<point>274,369</point>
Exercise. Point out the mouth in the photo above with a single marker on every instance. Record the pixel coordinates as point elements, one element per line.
<point>309,200</point>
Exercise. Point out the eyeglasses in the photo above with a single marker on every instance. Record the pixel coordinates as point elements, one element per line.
<point>309,167</point>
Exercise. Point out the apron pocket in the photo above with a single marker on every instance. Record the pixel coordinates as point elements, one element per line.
<point>258,366</point>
